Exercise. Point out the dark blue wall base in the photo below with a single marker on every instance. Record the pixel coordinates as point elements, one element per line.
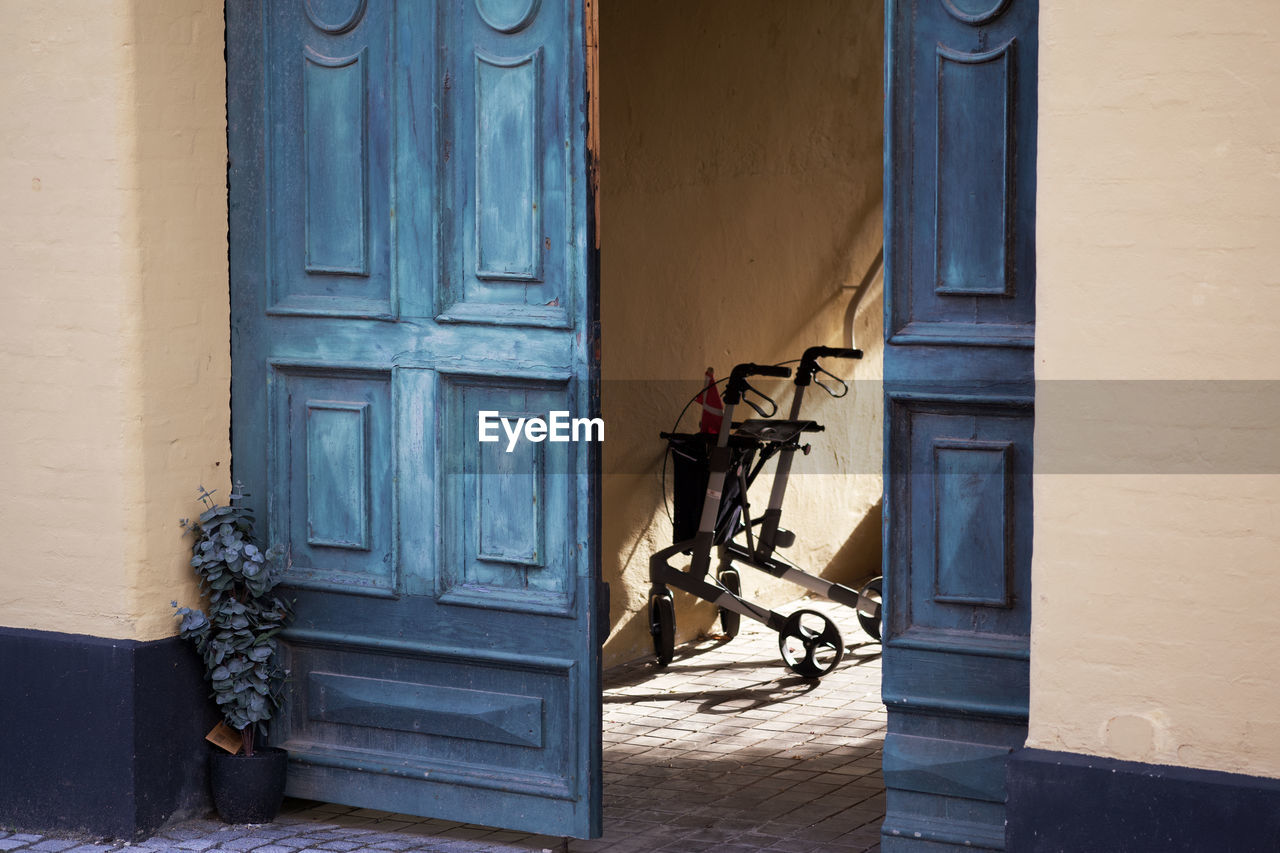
<point>102,737</point>
<point>1061,801</point>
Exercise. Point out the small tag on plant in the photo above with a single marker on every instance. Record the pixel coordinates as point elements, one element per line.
<point>226,737</point>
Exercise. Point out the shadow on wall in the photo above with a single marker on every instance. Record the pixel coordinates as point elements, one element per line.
<point>859,558</point>
<point>741,209</point>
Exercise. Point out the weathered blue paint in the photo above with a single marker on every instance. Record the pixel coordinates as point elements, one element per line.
<point>959,395</point>
<point>514,208</point>
<point>336,183</point>
<point>409,245</point>
<point>331,461</point>
<point>502,539</point>
<point>452,711</point>
<point>971,516</point>
<point>934,765</point>
<point>338,461</point>
<point>973,139</point>
<point>508,177</point>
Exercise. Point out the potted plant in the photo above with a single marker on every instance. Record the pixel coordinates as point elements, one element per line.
<point>236,638</point>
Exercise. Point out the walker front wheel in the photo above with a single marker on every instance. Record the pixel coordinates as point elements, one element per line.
<point>662,624</point>
<point>872,592</point>
<point>730,621</point>
<point>810,643</point>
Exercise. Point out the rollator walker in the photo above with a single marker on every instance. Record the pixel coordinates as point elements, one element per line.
<point>810,643</point>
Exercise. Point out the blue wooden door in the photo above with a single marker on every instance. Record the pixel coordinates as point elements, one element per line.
<point>960,327</point>
<point>409,247</point>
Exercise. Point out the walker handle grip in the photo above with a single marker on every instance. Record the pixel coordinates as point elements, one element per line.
<point>815,353</point>
<point>809,361</point>
<point>742,371</point>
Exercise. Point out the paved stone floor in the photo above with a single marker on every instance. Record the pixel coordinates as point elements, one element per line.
<point>724,751</point>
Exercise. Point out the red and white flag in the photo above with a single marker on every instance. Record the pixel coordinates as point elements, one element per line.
<point>712,406</point>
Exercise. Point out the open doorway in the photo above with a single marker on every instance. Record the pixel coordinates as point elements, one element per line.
<point>741,211</point>
<point>741,220</point>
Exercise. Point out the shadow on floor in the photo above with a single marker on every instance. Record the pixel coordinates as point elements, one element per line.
<point>726,750</point>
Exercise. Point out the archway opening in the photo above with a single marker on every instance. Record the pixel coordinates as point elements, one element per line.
<point>741,211</point>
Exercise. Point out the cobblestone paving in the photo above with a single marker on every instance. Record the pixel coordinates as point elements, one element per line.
<point>724,751</point>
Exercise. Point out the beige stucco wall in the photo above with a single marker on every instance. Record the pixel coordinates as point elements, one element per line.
<point>741,208</point>
<point>114,356</point>
<point>1157,506</point>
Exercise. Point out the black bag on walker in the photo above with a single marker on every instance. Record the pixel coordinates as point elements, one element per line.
<point>691,458</point>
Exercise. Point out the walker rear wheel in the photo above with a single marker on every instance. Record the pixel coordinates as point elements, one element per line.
<point>730,621</point>
<point>662,624</point>
<point>873,591</point>
<point>810,643</point>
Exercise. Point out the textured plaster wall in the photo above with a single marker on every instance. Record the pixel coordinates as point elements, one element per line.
<point>741,209</point>
<point>114,357</point>
<point>1157,505</point>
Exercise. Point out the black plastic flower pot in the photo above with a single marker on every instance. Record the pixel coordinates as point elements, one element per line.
<point>248,789</point>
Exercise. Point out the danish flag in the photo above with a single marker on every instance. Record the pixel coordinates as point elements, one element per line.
<point>712,407</point>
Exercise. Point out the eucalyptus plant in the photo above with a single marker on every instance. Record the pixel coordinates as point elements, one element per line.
<point>236,637</point>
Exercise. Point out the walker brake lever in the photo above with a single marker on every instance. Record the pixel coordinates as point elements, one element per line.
<point>844,386</point>
<point>761,412</point>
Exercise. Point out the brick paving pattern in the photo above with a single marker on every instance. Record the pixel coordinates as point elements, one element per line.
<point>724,750</point>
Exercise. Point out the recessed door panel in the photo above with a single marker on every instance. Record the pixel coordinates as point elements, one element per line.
<point>327,160</point>
<point>506,124</point>
<point>503,500</point>
<point>441,710</point>
<point>972,204</point>
<point>331,501</point>
<point>965,227</point>
<point>969,549</point>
